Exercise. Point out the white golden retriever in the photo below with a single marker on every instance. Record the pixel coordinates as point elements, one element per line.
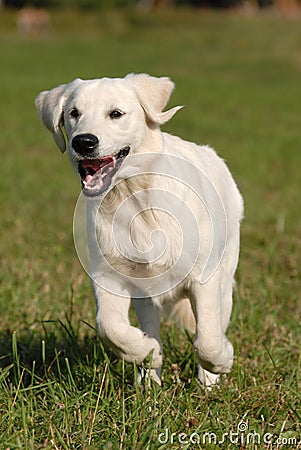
<point>163,218</point>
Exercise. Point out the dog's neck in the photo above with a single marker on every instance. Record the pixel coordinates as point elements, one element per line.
<point>152,145</point>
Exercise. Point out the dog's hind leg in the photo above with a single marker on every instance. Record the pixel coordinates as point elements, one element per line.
<point>214,351</point>
<point>148,314</point>
<point>126,341</point>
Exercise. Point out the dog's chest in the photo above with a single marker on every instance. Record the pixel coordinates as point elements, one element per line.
<point>142,242</point>
<point>140,239</point>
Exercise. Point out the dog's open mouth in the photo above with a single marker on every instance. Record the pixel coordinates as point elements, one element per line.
<point>97,174</point>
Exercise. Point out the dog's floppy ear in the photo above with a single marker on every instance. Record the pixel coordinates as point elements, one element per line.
<point>50,106</point>
<point>153,94</point>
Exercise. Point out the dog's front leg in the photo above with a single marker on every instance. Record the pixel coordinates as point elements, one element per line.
<point>114,328</point>
<point>148,314</point>
<point>214,351</point>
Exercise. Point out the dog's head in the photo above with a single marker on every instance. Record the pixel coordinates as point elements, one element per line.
<point>104,120</point>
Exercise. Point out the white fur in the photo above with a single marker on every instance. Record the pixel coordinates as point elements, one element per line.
<point>142,98</point>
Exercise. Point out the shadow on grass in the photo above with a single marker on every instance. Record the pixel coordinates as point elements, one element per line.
<point>60,350</point>
<point>57,352</point>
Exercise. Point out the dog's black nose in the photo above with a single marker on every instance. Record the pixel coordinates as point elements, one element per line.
<point>84,144</point>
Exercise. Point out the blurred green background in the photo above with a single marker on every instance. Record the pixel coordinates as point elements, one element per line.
<point>238,73</point>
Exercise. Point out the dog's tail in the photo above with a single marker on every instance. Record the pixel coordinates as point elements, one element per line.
<point>181,313</point>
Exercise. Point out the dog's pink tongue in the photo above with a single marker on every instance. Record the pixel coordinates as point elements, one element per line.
<point>97,164</point>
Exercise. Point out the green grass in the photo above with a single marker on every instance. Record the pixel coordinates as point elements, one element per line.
<point>240,80</point>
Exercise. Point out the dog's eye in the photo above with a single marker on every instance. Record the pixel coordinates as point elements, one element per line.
<point>74,113</point>
<point>115,114</point>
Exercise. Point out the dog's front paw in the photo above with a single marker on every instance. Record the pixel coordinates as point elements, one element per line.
<point>207,379</point>
<point>224,361</point>
<point>154,354</point>
<point>219,361</point>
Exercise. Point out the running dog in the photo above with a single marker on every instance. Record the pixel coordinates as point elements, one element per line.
<point>163,217</point>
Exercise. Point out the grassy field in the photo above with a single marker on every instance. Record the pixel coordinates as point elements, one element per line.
<point>240,80</point>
